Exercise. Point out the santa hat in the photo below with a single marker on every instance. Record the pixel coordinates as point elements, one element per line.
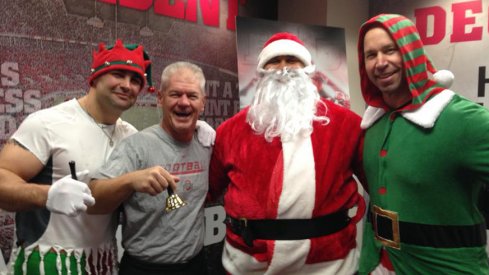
<point>284,43</point>
<point>129,57</point>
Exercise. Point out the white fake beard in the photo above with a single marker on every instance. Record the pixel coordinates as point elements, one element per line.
<point>284,105</point>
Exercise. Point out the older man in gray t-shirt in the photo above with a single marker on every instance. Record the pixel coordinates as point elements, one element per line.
<point>148,231</point>
<point>169,155</point>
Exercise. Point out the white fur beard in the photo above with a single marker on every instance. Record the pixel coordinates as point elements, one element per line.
<point>284,105</point>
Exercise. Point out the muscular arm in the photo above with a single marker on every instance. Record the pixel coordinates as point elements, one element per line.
<point>110,193</point>
<point>17,166</point>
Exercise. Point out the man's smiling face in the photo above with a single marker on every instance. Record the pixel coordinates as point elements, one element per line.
<point>182,102</point>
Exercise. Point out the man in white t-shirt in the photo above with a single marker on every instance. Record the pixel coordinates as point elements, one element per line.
<point>52,230</point>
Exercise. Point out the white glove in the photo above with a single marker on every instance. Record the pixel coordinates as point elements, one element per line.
<point>205,133</point>
<point>70,197</point>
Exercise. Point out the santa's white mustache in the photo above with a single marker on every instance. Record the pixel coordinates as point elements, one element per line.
<point>284,104</point>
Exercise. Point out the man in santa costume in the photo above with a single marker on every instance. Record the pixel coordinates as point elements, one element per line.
<point>426,156</point>
<point>287,162</point>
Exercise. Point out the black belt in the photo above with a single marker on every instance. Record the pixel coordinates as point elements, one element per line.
<point>391,232</point>
<point>131,265</point>
<point>288,229</point>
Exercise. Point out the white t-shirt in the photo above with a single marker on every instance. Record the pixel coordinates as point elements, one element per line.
<point>56,136</point>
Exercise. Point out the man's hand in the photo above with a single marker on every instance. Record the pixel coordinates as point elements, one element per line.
<point>112,192</point>
<point>153,180</point>
<point>70,197</point>
<point>205,133</point>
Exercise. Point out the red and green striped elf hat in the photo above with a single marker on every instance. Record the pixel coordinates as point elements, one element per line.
<point>417,64</point>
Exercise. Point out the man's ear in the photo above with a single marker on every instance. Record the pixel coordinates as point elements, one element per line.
<point>93,84</point>
<point>203,105</point>
<point>159,95</point>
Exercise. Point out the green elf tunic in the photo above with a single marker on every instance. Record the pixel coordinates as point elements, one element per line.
<point>425,164</point>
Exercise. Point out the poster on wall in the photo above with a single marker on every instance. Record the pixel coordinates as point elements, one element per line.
<point>456,37</point>
<point>6,236</point>
<point>46,49</point>
<point>326,45</point>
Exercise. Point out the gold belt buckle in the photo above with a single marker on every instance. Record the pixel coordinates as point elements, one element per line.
<point>394,218</point>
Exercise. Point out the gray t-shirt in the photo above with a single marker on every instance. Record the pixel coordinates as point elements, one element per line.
<point>148,232</point>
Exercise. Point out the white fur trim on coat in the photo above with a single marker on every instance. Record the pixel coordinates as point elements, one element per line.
<point>425,116</point>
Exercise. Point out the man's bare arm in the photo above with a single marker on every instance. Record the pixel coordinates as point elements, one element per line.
<point>17,166</point>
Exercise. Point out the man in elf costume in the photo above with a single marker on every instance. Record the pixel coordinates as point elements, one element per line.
<point>54,234</point>
<point>287,162</point>
<point>426,156</point>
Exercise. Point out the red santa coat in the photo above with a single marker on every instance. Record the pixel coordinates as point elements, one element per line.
<point>302,179</point>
